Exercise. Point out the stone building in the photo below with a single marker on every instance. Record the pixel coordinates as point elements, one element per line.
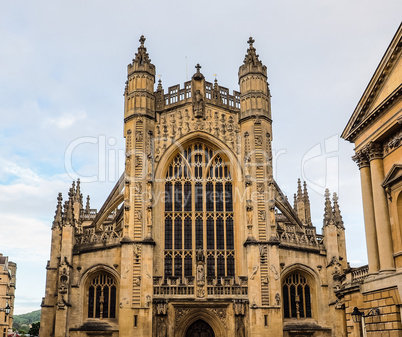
<point>8,271</point>
<point>196,238</point>
<point>376,130</point>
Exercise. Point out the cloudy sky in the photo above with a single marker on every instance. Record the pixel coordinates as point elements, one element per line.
<point>62,74</point>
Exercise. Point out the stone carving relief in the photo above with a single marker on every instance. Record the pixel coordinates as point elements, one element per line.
<point>278,299</point>
<point>177,124</point>
<point>392,143</point>
<point>239,308</point>
<point>220,313</point>
<point>275,272</point>
<point>200,292</point>
<point>180,313</point>
<point>255,270</point>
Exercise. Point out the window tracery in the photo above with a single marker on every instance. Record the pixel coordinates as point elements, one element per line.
<point>102,292</point>
<point>198,213</point>
<point>296,296</point>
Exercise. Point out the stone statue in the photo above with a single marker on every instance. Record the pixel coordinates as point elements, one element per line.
<point>198,105</point>
<point>200,273</point>
<point>162,329</point>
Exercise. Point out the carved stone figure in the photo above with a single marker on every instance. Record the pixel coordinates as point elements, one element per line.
<point>200,273</point>
<point>198,105</point>
<point>162,329</point>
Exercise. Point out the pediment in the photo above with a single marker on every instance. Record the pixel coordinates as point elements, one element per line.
<point>383,89</point>
<point>394,175</point>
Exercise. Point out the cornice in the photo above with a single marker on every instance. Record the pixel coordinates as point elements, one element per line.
<point>391,100</point>
<point>254,116</point>
<point>374,86</point>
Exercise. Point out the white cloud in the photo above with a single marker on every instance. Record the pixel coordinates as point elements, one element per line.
<point>66,119</point>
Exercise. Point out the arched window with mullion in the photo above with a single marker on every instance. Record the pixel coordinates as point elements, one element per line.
<point>199,213</point>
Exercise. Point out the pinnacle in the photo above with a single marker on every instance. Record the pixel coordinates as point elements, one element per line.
<point>251,56</point>
<point>142,56</point>
<point>160,88</point>
<point>328,214</point>
<point>299,190</point>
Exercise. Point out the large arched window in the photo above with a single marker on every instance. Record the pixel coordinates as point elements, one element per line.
<point>296,296</point>
<point>199,213</point>
<point>102,292</point>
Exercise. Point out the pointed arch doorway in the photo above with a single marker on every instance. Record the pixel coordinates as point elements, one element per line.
<point>200,329</point>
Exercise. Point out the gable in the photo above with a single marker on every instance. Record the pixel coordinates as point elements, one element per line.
<point>394,174</point>
<point>393,80</point>
<point>383,90</point>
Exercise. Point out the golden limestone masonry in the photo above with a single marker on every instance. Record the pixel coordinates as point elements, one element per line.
<point>375,128</point>
<point>197,239</point>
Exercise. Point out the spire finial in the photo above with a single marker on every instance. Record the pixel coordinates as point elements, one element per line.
<point>160,88</point>
<point>198,67</point>
<point>251,56</point>
<point>142,57</point>
<point>87,206</point>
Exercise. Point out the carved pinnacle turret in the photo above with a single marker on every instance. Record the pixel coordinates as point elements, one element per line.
<point>87,206</point>
<point>337,213</point>
<point>251,56</point>
<point>142,56</point>
<point>69,209</point>
<point>254,92</point>
<point>160,88</point>
<point>299,191</point>
<point>328,215</point>
<point>306,200</point>
<point>59,213</point>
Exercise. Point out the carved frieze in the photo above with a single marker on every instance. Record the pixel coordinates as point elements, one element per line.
<point>172,127</point>
<point>392,143</point>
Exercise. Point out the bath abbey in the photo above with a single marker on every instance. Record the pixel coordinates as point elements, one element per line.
<point>197,239</point>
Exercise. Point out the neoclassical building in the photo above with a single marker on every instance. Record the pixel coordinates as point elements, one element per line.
<point>375,128</point>
<point>196,238</point>
<point>8,272</point>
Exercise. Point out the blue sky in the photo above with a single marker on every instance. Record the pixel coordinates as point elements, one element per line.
<point>62,74</point>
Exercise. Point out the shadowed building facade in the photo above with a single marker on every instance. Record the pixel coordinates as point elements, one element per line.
<point>196,238</point>
<point>375,128</point>
<point>8,272</point>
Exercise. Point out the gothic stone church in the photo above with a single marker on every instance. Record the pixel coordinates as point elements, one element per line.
<point>196,238</point>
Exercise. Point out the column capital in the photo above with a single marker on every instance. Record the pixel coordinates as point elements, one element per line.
<point>361,159</point>
<point>373,151</point>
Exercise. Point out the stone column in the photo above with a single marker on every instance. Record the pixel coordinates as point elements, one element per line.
<point>382,221</point>
<point>368,209</point>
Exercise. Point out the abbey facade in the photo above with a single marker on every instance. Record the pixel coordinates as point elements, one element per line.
<point>196,238</point>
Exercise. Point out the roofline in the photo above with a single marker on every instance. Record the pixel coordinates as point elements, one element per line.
<point>347,132</point>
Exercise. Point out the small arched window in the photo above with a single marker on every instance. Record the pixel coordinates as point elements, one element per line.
<point>296,296</point>
<point>102,293</point>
